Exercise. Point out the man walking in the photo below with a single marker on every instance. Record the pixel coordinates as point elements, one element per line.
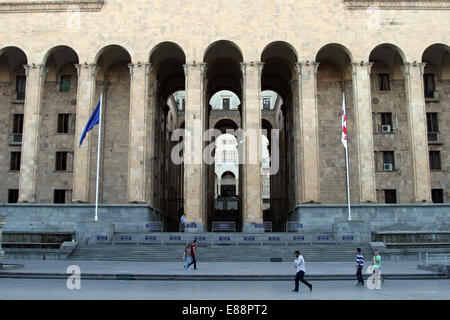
<point>359,266</point>
<point>193,253</point>
<point>300,266</point>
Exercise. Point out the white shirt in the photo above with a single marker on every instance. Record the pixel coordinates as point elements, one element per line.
<point>300,263</point>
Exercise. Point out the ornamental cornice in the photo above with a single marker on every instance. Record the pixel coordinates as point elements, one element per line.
<point>50,6</point>
<point>398,4</point>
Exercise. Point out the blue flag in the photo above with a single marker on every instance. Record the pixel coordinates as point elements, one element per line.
<point>92,122</point>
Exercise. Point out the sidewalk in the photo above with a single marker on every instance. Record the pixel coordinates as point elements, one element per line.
<point>206,270</point>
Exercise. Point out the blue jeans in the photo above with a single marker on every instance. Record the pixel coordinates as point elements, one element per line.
<point>188,260</point>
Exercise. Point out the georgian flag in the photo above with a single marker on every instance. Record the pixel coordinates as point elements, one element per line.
<point>344,123</point>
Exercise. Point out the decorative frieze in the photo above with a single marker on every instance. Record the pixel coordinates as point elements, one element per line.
<point>398,4</point>
<point>54,6</point>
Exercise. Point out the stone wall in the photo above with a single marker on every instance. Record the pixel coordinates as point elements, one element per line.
<point>381,217</point>
<point>65,218</point>
<point>2,222</point>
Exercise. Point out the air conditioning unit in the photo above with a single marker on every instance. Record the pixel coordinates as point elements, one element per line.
<point>387,167</point>
<point>16,139</point>
<point>386,128</point>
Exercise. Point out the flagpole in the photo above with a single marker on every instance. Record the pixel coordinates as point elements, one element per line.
<point>346,167</point>
<point>98,155</point>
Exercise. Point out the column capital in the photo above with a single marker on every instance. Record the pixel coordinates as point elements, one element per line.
<point>188,66</point>
<point>144,65</point>
<point>406,68</point>
<point>257,64</point>
<point>40,67</point>
<point>89,66</point>
<point>310,64</point>
<point>363,64</point>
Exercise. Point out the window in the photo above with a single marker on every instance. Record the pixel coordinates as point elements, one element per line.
<point>435,160</point>
<point>65,84</point>
<point>15,161</point>
<point>384,82</point>
<point>388,160</point>
<point>224,156</point>
<point>61,161</point>
<point>17,123</point>
<point>390,196</point>
<point>63,123</point>
<point>59,196</point>
<point>226,103</point>
<point>429,86</point>
<point>266,103</point>
<point>437,195</point>
<point>386,122</point>
<point>432,126</point>
<point>13,195</point>
<point>20,87</point>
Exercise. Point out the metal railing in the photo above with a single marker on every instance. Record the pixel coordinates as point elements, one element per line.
<point>434,258</point>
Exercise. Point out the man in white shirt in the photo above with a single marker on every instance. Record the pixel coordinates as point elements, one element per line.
<point>299,276</point>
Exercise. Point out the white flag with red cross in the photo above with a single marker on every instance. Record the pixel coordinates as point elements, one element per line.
<point>344,123</point>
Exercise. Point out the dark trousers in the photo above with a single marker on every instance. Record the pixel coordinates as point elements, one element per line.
<point>194,262</point>
<point>359,274</point>
<point>300,277</point>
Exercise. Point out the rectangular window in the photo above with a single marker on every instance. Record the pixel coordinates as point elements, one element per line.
<point>384,82</point>
<point>61,161</point>
<point>429,86</point>
<point>20,87</point>
<point>388,161</point>
<point>13,195</point>
<point>435,160</point>
<point>59,196</point>
<point>386,121</point>
<point>224,156</point>
<point>15,161</point>
<point>437,195</point>
<point>432,122</point>
<point>226,103</point>
<point>17,123</point>
<point>390,196</point>
<point>65,84</point>
<point>63,123</point>
<point>266,103</point>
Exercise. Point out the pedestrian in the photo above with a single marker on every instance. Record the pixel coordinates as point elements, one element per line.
<point>183,222</point>
<point>359,266</point>
<point>376,262</point>
<point>193,254</point>
<point>186,256</point>
<point>299,276</point>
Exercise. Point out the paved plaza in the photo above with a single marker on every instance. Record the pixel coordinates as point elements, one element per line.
<point>30,289</point>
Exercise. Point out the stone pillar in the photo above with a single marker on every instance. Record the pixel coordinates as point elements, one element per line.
<point>194,175</point>
<point>137,132</point>
<point>364,131</point>
<point>251,125</point>
<point>309,129</point>
<point>2,222</point>
<point>30,141</point>
<point>85,103</point>
<point>417,120</point>
<point>150,140</point>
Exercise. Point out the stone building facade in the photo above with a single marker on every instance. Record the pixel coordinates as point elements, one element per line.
<point>390,58</point>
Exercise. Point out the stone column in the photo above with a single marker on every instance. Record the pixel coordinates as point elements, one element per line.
<point>194,176</point>
<point>364,131</point>
<point>85,102</point>
<point>30,141</point>
<point>137,132</point>
<point>251,125</point>
<point>2,222</point>
<point>150,140</point>
<point>417,120</point>
<point>309,130</point>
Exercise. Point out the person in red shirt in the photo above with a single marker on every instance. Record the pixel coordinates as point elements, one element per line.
<point>193,253</point>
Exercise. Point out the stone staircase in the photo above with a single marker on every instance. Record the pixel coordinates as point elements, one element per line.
<point>216,253</point>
